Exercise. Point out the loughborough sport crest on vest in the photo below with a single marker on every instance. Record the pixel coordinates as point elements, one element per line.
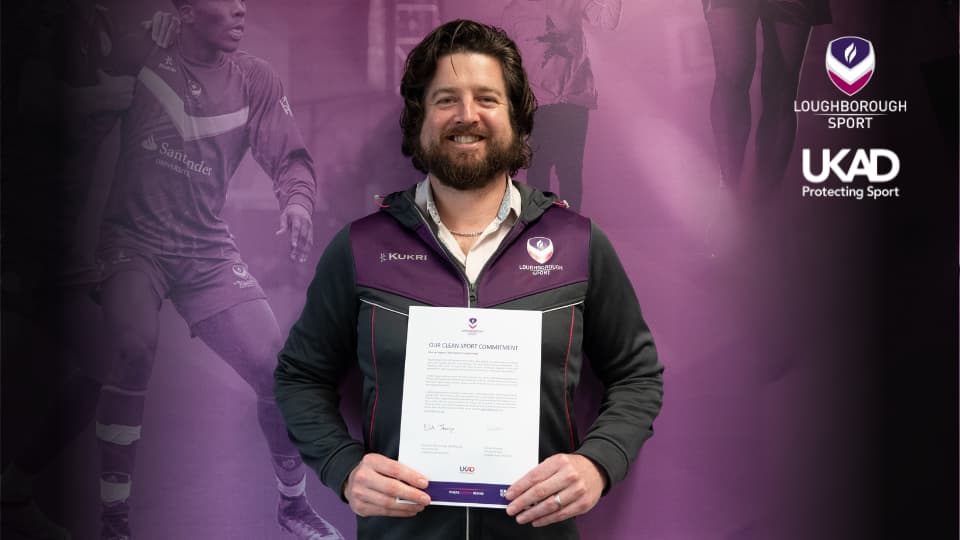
<point>850,63</point>
<point>540,249</point>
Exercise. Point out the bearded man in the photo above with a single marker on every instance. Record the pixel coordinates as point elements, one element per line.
<point>461,238</point>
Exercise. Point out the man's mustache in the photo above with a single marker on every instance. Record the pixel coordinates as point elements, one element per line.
<point>458,131</point>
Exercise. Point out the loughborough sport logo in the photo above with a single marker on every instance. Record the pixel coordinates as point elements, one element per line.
<point>851,62</point>
<point>540,249</point>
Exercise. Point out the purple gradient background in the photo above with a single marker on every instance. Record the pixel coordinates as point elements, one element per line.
<point>766,330</point>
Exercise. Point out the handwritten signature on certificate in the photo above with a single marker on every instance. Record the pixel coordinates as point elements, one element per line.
<point>448,428</point>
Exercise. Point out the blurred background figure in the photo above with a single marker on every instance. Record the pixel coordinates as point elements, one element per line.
<point>785,27</point>
<point>550,36</point>
<point>69,97</point>
<point>199,106</point>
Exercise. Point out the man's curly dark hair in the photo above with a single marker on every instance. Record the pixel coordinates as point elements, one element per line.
<point>465,36</point>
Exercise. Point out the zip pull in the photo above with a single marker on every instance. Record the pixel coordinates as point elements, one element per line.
<point>473,295</point>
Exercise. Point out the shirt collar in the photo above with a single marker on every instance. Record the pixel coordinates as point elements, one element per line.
<point>509,204</point>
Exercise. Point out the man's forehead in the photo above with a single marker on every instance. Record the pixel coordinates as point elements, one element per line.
<point>462,70</point>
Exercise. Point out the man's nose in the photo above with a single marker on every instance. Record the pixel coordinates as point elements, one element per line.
<point>467,112</point>
<point>239,8</point>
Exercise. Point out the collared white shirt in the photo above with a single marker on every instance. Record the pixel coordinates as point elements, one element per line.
<point>488,241</point>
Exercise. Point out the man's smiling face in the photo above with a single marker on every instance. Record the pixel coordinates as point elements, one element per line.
<point>467,139</point>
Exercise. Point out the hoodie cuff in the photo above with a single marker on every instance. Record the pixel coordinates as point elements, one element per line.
<point>301,200</point>
<point>608,457</point>
<point>338,468</point>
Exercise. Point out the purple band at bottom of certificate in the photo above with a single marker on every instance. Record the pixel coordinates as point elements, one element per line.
<point>467,493</point>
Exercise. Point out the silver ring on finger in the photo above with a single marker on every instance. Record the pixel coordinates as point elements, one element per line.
<point>556,499</point>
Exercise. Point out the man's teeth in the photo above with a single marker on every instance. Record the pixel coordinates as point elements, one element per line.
<point>465,139</point>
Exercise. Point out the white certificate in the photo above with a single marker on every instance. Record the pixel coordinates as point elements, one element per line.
<point>471,401</point>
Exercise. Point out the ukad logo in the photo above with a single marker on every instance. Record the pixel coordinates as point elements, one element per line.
<point>472,323</point>
<point>540,249</point>
<point>850,63</point>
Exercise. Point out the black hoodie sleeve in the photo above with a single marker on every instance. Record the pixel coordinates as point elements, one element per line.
<point>321,346</point>
<point>622,354</point>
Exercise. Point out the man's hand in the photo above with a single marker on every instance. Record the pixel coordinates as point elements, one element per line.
<point>164,27</point>
<point>296,218</point>
<point>375,485</point>
<point>573,478</point>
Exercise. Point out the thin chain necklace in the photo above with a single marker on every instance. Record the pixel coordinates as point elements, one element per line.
<point>465,234</point>
<point>504,208</point>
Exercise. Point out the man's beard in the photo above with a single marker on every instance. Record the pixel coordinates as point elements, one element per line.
<point>464,172</point>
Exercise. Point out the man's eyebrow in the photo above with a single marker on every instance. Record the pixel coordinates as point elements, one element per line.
<point>489,90</point>
<point>453,90</point>
<point>442,90</point>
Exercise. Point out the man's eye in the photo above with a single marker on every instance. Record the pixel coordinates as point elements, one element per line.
<point>445,100</point>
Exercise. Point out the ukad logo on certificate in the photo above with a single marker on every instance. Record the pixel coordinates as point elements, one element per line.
<point>471,401</point>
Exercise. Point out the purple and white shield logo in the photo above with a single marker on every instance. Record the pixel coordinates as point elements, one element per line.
<point>850,63</point>
<point>540,249</point>
<point>472,323</point>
